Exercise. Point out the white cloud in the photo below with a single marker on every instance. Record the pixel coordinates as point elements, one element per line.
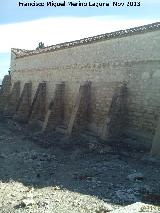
<point>26,35</point>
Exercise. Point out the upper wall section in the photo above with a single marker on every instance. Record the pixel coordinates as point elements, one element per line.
<point>131,47</point>
<point>106,36</point>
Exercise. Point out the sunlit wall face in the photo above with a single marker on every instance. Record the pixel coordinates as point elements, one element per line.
<point>23,27</point>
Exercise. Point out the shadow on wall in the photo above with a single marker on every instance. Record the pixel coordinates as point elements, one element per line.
<point>23,110</point>
<point>34,113</point>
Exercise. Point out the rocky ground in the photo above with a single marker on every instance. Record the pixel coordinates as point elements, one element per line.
<point>73,175</point>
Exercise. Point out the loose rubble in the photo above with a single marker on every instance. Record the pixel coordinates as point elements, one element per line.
<point>74,178</point>
<point>136,177</point>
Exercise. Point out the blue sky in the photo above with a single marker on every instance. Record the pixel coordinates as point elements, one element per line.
<point>25,27</point>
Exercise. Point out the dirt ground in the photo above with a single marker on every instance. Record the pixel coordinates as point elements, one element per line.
<point>55,174</point>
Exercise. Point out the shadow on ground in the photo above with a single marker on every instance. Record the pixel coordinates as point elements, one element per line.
<point>71,165</point>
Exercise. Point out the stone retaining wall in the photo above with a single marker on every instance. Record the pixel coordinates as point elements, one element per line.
<point>132,59</point>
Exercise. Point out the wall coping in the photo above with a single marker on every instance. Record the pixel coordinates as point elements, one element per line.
<point>102,37</point>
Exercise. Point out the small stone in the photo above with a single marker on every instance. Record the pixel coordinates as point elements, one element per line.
<point>104,208</point>
<point>105,149</point>
<point>2,155</point>
<point>135,176</point>
<point>92,146</point>
<point>27,202</point>
<point>38,175</point>
<point>56,188</point>
<point>43,204</point>
<point>126,195</point>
